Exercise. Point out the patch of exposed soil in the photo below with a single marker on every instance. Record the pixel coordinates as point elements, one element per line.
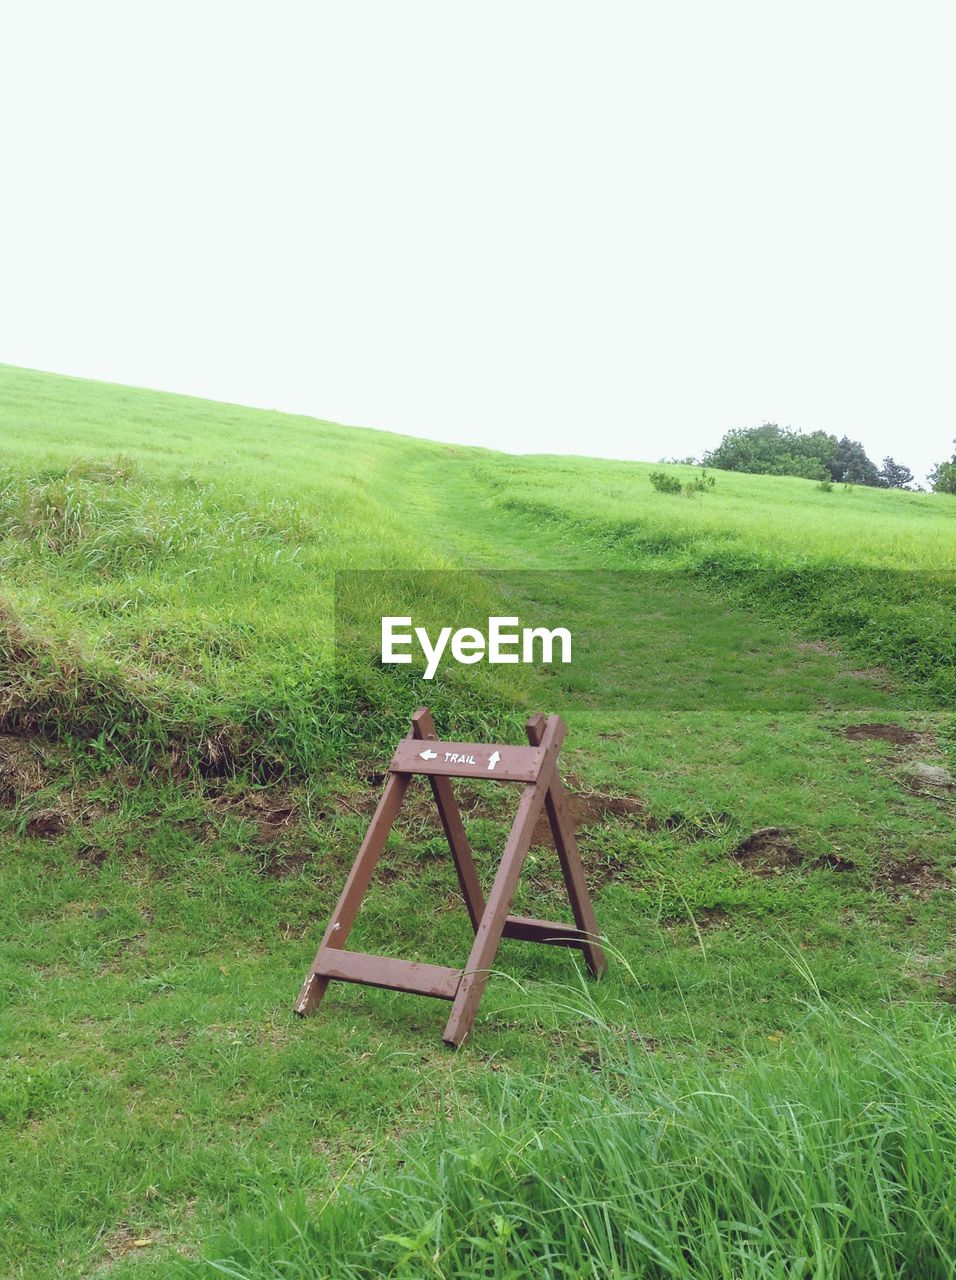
<point>124,1241</point>
<point>768,851</point>
<point>832,862</point>
<point>692,828</point>
<point>21,773</point>
<point>947,987</point>
<point>47,823</point>
<point>273,823</point>
<point>883,732</point>
<point>273,811</point>
<point>815,646</point>
<point>712,917</point>
<point>229,749</point>
<point>915,874</point>
<point>91,856</point>
<point>588,808</point>
<point>276,816</point>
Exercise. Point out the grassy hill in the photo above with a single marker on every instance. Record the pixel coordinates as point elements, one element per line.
<point>193,722</point>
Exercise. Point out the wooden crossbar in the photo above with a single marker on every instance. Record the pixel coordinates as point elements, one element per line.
<point>384,971</point>
<point>421,753</point>
<point>559,935</point>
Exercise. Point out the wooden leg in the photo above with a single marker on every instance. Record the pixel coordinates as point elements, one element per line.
<point>423,727</point>
<point>488,937</point>
<point>343,917</point>
<point>570,858</point>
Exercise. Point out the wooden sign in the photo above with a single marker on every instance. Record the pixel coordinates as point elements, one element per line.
<point>535,766</point>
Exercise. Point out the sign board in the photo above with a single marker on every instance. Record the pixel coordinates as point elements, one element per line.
<point>422,754</point>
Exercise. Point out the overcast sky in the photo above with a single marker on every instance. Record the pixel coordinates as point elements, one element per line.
<point>600,228</point>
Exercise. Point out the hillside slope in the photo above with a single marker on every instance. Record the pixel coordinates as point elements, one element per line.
<point>168,563</point>
<point>193,723</point>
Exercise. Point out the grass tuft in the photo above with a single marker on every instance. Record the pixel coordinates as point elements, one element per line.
<point>826,1153</point>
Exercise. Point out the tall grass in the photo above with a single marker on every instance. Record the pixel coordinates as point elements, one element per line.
<point>827,1153</point>
<point>102,517</point>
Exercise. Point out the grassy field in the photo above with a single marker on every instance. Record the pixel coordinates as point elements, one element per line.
<point>194,725</point>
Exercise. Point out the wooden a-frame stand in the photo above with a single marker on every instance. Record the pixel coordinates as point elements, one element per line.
<point>536,766</point>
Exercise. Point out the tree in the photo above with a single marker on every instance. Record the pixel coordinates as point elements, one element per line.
<point>852,466</point>
<point>773,450</point>
<point>943,476</point>
<point>893,475</point>
<point>780,451</point>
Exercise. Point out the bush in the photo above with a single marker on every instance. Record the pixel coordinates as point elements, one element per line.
<point>664,483</point>
<point>699,484</point>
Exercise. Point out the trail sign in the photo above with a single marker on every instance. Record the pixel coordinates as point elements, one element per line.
<point>536,767</point>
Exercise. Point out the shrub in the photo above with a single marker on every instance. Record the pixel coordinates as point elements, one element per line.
<point>664,483</point>
<point>699,484</point>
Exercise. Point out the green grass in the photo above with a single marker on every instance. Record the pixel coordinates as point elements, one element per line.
<point>195,752</point>
<point>829,1154</point>
<point>774,518</point>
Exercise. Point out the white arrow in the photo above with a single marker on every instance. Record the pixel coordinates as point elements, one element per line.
<point>495,757</point>
<point>428,755</point>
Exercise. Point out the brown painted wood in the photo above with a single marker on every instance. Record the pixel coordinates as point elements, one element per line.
<point>343,917</point>
<point>488,937</point>
<point>514,764</point>
<point>385,971</point>
<point>559,935</point>
<point>570,858</point>
<point>535,765</point>
<point>423,727</point>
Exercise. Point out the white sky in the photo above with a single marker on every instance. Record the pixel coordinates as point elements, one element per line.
<point>598,228</point>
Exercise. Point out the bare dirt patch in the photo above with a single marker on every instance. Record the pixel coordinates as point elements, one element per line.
<point>589,808</point>
<point>815,646</point>
<point>275,863</point>
<point>915,875</point>
<point>21,773</point>
<point>280,842</point>
<point>273,811</point>
<point>125,1241</point>
<point>768,851</point>
<point>91,856</point>
<point>881,732</point>
<point>832,862</point>
<point>274,823</point>
<point>45,824</point>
